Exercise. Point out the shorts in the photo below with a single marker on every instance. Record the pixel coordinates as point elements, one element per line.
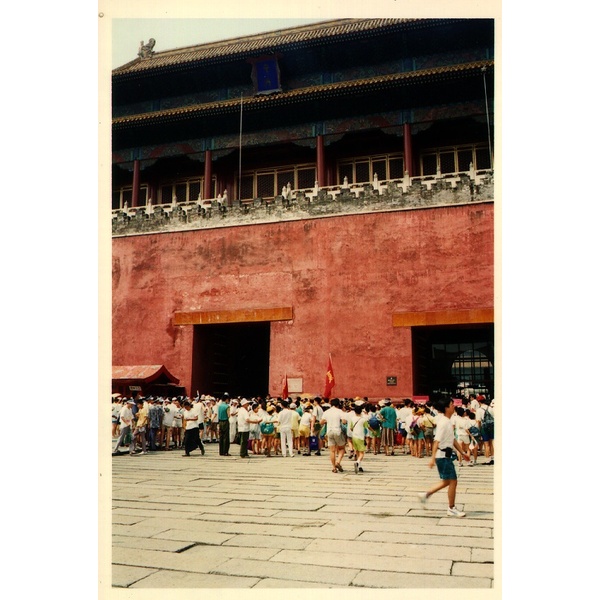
<point>487,435</point>
<point>336,439</point>
<point>464,439</point>
<point>304,430</point>
<point>358,444</point>
<point>387,436</point>
<point>445,467</point>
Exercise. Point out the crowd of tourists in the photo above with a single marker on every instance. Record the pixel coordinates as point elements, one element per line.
<point>292,426</point>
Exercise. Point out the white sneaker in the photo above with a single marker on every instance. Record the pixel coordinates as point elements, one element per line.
<point>422,496</point>
<point>454,512</point>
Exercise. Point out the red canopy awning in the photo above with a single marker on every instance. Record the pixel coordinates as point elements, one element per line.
<point>141,373</point>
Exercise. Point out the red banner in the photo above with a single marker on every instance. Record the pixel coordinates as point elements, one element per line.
<point>329,380</point>
<point>285,392</point>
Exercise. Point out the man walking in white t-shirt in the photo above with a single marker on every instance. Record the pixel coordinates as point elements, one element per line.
<point>336,440</point>
<point>126,418</point>
<point>192,416</point>
<point>286,421</point>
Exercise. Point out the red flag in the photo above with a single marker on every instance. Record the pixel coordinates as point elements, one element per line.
<point>329,380</point>
<point>285,392</point>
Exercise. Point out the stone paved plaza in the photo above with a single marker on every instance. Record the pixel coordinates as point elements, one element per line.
<point>227,522</point>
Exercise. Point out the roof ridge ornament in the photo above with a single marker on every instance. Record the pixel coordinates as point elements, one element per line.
<point>146,50</point>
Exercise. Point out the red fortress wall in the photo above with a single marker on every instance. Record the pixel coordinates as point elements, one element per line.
<point>344,278</point>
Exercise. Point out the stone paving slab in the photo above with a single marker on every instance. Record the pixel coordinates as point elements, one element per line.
<point>198,552</point>
<point>360,561</point>
<point>216,522</point>
<point>267,541</point>
<point>170,561</point>
<point>178,580</point>
<point>310,573</point>
<point>467,531</point>
<point>378,579</point>
<point>391,549</point>
<point>165,545</point>
<point>473,569</point>
<point>278,584</point>
<point>126,576</point>
<point>199,537</point>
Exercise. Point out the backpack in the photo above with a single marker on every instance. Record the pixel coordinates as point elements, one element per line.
<point>415,429</point>
<point>374,423</point>
<point>487,423</point>
<point>267,428</point>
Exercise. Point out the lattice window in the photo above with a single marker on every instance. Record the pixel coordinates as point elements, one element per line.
<point>396,168</point>
<point>465,158</point>
<point>379,166</point>
<point>429,162</point>
<point>195,188</point>
<point>362,171</point>
<point>306,178</point>
<point>482,158</point>
<point>247,187</point>
<point>447,162</point>
<point>283,178</point>
<point>166,194</point>
<point>127,196</point>
<point>265,185</point>
<point>346,170</point>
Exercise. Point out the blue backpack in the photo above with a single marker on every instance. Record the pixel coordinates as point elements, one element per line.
<point>374,423</point>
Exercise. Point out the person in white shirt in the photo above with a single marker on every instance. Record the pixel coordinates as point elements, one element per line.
<point>116,409</point>
<point>443,444</point>
<point>233,412</point>
<point>318,412</point>
<point>356,426</point>
<point>485,422</point>
<point>473,403</point>
<point>461,426</point>
<point>404,414</point>
<point>336,440</point>
<point>192,416</point>
<point>177,423</point>
<point>306,429</point>
<point>169,416</point>
<point>126,417</point>
<point>287,418</point>
<point>244,421</point>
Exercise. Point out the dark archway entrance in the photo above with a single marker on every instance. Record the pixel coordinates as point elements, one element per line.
<point>447,359</point>
<point>232,358</point>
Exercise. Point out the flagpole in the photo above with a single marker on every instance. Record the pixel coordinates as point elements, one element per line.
<point>240,144</point>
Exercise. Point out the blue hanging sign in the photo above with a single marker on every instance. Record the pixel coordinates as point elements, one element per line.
<point>265,75</point>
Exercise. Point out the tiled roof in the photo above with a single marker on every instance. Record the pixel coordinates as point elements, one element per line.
<point>257,43</point>
<point>301,94</point>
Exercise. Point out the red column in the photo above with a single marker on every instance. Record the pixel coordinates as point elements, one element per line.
<point>135,196</point>
<point>207,192</point>
<point>408,157</point>
<point>321,174</point>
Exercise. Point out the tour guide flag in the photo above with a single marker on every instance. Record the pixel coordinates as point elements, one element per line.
<point>329,380</point>
<point>285,393</point>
